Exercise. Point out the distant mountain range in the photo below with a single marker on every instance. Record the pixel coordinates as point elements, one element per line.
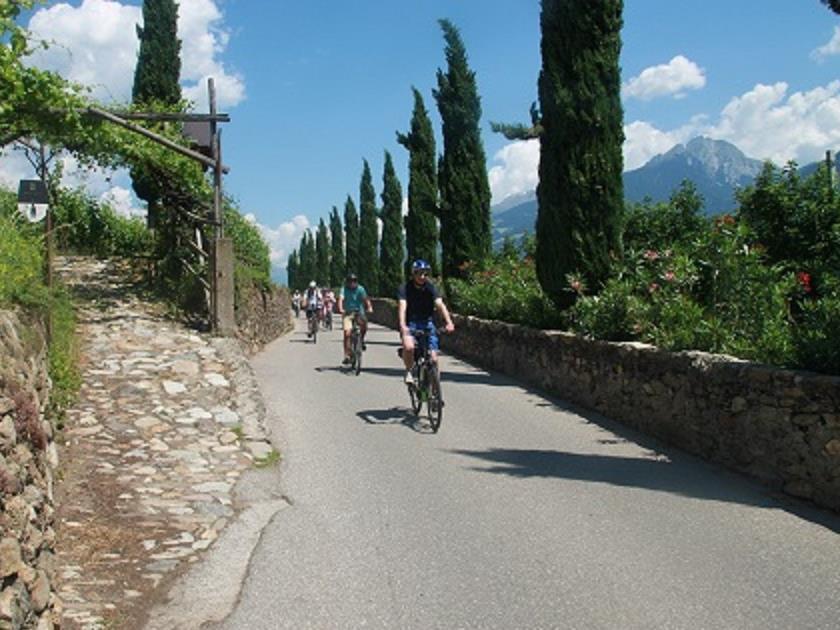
<point>718,168</point>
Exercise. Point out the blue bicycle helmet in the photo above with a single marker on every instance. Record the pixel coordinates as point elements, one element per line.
<point>420,265</point>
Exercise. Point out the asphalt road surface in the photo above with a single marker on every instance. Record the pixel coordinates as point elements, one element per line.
<point>522,512</point>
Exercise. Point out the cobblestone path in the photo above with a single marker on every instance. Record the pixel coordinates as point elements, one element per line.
<point>166,422</point>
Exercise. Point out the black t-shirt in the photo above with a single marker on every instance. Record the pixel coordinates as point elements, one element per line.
<point>420,301</point>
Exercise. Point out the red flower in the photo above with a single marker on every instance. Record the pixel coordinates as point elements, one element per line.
<point>653,287</point>
<point>670,276</point>
<point>652,254</point>
<point>804,279</point>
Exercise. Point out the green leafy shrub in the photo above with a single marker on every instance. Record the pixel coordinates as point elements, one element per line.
<point>21,264</point>
<point>505,289</point>
<point>84,225</point>
<point>22,285</point>
<point>63,354</point>
<point>613,315</point>
<point>253,262</point>
<point>649,225</point>
<point>816,336</point>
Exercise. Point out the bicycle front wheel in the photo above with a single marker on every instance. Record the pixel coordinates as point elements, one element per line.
<point>358,354</point>
<point>435,402</point>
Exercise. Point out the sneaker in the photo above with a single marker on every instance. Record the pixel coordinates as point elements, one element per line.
<point>364,347</point>
<point>409,378</point>
<point>346,361</point>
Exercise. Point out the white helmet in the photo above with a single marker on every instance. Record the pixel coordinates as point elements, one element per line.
<point>312,285</point>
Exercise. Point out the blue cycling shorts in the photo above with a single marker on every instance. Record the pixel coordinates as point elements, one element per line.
<point>431,332</point>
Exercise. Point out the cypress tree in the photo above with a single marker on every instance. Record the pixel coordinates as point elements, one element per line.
<point>322,255</point>
<point>421,231</point>
<point>336,249</point>
<point>351,234</point>
<point>368,234</point>
<point>391,250</point>
<point>580,192</point>
<point>158,62</point>
<point>291,271</point>
<point>465,229</point>
<point>156,78</point>
<point>308,259</point>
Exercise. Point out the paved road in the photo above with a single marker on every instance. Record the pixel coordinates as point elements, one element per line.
<point>521,513</point>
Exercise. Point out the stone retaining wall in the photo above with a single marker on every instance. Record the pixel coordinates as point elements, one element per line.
<point>262,315</point>
<point>780,426</point>
<point>27,459</point>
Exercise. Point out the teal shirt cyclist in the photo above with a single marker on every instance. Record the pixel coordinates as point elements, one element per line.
<point>354,299</point>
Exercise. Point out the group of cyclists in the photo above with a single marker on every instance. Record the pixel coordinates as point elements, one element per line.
<point>418,298</point>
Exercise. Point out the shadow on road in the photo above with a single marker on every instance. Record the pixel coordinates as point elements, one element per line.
<point>473,378</point>
<point>395,416</point>
<point>659,475</point>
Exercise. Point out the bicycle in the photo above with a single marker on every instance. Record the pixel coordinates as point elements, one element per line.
<point>312,323</point>
<point>356,346</point>
<point>328,319</point>
<point>426,387</point>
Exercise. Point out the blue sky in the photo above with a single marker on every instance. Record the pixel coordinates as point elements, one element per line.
<point>313,87</point>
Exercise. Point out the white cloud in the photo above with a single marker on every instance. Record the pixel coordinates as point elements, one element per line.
<point>769,123</point>
<point>829,49</point>
<point>765,123</point>
<point>204,40</point>
<point>95,44</point>
<point>670,79</point>
<point>518,171</point>
<point>123,201</point>
<point>283,239</point>
<point>642,141</point>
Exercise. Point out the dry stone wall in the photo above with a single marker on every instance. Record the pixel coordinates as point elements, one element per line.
<point>780,426</point>
<point>28,458</point>
<point>262,315</point>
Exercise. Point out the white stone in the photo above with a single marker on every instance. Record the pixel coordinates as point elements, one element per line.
<point>212,487</point>
<point>173,387</point>
<point>216,380</point>
<point>146,422</point>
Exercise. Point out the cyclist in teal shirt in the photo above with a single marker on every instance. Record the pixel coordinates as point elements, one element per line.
<point>353,301</point>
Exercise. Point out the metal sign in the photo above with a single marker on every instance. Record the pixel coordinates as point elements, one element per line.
<point>33,212</point>
<point>200,134</point>
<point>33,200</point>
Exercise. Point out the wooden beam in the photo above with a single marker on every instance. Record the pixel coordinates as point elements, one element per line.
<point>172,117</point>
<point>151,135</point>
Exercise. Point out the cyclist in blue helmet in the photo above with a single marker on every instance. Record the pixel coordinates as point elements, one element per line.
<point>418,300</point>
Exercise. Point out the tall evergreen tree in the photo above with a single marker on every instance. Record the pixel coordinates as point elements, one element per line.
<point>392,248</point>
<point>291,271</point>
<point>156,82</point>
<point>322,255</point>
<point>580,192</point>
<point>308,259</point>
<point>159,59</point>
<point>351,236</point>
<point>465,229</point>
<point>421,231</point>
<point>368,234</point>
<point>336,249</point>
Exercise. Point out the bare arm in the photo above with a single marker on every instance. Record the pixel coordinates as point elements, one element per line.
<point>401,315</point>
<point>368,305</point>
<point>441,307</point>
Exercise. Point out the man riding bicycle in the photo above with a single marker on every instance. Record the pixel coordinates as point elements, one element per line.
<point>353,301</point>
<point>312,302</point>
<point>328,299</point>
<point>418,299</point>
